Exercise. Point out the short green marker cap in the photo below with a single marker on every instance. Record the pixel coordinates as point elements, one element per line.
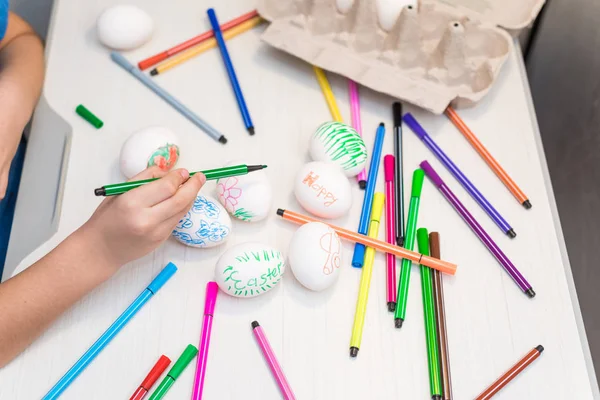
<point>423,241</point>
<point>89,116</point>
<point>417,183</point>
<point>182,362</point>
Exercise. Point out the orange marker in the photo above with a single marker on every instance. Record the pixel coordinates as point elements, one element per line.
<point>442,266</point>
<point>487,157</point>
<point>155,59</point>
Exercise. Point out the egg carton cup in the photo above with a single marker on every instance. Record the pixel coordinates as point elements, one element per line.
<point>433,55</point>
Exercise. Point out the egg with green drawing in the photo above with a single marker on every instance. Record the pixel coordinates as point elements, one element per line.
<point>249,269</point>
<point>205,225</point>
<point>340,144</point>
<point>246,197</point>
<point>152,146</point>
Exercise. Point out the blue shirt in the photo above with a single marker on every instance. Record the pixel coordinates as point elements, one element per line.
<point>3,17</point>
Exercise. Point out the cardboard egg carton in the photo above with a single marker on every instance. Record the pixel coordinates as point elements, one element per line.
<point>434,54</point>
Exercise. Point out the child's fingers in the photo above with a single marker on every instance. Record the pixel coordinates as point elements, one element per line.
<point>181,202</point>
<point>149,173</point>
<point>158,191</point>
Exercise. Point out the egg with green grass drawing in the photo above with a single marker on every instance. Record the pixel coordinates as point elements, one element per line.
<point>249,269</point>
<point>340,144</point>
<point>246,197</point>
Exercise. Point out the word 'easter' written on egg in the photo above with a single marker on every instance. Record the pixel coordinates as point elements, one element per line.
<point>310,180</point>
<point>264,282</point>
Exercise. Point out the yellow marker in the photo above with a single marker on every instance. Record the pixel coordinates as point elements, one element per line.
<point>207,45</point>
<point>328,93</point>
<point>365,279</point>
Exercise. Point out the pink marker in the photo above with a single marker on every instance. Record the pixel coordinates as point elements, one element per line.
<point>284,386</point>
<point>389,162</point>
<point>209,308</point>
<point>356,124</point>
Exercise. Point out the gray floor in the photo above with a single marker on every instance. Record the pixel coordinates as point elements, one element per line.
<point>564,72</point>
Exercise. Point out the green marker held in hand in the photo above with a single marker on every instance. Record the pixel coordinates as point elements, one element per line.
<point>433,352</point>
<point>409,243</point>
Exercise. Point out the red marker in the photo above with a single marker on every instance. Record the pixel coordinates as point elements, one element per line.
<point>155,373</point>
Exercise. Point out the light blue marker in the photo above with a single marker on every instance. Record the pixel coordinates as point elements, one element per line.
<point>365,216</point>
<point>111,332</point>
<point>162,93</point>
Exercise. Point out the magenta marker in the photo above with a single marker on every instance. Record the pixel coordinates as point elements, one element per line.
<point>389,164</point>
<point>356,124</point>
<point>209,308</point>
<point>265,347</point>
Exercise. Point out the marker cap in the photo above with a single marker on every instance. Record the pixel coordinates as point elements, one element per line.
<point>359,255</point>
<point>162,277</point>
<point>389,167</point>
<point>417,183</point>
<point>397,110</point>
<point>160,366</point>
<point>423,241</point>
<point>414,125</point>
<point>211,298</point>
<point>182,362</point>
<point>435,178</point>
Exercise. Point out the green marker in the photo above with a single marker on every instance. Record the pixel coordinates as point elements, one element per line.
<point>89,116</point>
<point>409,243</point>
<point>182,362</point>
<point>211,174</point>
<point>433,355</point>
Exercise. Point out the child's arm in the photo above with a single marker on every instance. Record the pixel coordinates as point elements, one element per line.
<point>122,229</point>
<point>21,77</point>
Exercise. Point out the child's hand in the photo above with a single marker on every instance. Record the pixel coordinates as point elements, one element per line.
<point>129,226</point>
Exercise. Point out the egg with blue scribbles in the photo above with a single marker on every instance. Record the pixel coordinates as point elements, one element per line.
<point>206,224</point>
<point>249,269</point>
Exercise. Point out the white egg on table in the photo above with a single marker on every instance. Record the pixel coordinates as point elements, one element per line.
<point>314,255</point>
<point>147,147</point>
<point>249,269</point>
<point>207,224</point>
<point>340,144</point>
<point>323,190</point>
<point>246,197</point>
<point>124,27</point>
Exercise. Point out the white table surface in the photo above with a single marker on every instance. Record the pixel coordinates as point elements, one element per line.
<point>491,324</point>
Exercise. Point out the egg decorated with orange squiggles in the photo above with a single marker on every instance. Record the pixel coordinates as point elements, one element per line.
<point>315,256</point>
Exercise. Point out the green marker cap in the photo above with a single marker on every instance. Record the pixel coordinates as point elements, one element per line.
<point>182,362</point>
<point>417,183</point>
<point>423,241</point>
<point>89,116</point>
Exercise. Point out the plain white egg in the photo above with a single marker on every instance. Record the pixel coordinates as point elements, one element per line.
<point>124,27</point>
<point>315,255</point>
<point>147,147</point>
<point>207,224</point>
<point>340,144</point>
<point>249,269</point>
<point>323,190</point>
<point>246,197</point>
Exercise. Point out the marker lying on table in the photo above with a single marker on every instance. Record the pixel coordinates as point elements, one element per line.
<point>390,230</point>
<point>399,173</point>
<point>356,124</point>
<point>511,373</point>
<point>209,310</point>
<point>460,177</point>
<point>163,94</point>
<point>210,174</point>
<point>442,266</point>
<point>111,332</point>
<point>180,365</point>
<point>478,230</point>
<point>155,373</point>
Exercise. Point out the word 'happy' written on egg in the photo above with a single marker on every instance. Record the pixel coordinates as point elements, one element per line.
<point>310,180</point>
<point>252,285</point>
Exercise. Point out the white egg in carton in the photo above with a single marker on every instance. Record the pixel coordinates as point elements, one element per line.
<point>432,54</point>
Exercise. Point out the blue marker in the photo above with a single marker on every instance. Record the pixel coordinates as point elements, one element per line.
<point>230,70</point>
<point>166,96</point>
<point>111,332</point>
<point>365,215</point>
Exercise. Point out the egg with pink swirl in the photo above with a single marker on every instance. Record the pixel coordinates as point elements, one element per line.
<point>315,255</point>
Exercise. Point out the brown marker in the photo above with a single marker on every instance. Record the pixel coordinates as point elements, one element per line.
<point>440,314</point>
<point>511,374</point>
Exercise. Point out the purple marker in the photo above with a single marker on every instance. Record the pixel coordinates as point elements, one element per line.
<point>457,173</point>
<point>478,230</point>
